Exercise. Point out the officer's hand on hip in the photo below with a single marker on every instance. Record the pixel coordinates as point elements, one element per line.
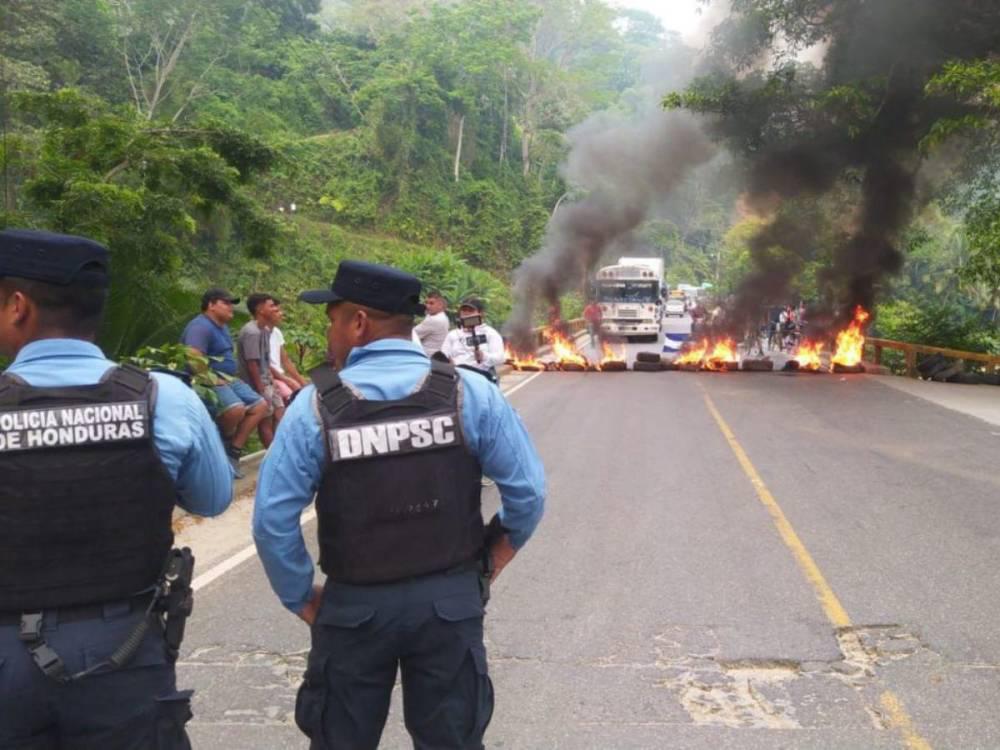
<point>311,609</point>
<point>502,553</point>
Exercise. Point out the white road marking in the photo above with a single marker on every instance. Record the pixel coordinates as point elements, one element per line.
<point>521,385</point>
<point>217,571</point>
<point>250,551</point>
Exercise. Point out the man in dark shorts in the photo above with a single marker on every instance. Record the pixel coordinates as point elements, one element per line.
<point>239,408</point>
<point>254,348</point>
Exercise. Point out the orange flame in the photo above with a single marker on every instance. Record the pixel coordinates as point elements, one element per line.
<point>807,355</point>
<point>851,341</point>
<point>563,349</point>
<point>723,353</point>
<point>610,356</point>
<point>521,361</point>
<point>693,356</point>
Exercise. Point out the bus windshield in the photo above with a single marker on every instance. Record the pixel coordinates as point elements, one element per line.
<point>627,291</point>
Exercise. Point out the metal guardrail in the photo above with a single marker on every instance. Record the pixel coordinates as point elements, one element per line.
<point>573,326</point>
<point>992,361</point>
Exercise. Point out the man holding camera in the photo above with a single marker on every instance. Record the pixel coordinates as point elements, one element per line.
<point>474,345</point>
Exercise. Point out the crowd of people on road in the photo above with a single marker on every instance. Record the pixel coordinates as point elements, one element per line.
<point>390,439</point>
<point>781,329</point>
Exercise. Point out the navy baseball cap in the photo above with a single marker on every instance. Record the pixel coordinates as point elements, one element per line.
<point>215,294</point>
<point>378,287</point>
<point>52,258</point>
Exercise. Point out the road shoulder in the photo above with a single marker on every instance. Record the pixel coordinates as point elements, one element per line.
<point>980,401</point>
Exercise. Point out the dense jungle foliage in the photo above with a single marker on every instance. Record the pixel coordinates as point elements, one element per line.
<point>256,143</point>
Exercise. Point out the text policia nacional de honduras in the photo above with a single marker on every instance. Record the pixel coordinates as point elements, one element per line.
<point>58,426</point>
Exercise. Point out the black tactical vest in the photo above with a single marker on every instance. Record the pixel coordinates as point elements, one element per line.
<point>400,494</point>
<point>85,501</point>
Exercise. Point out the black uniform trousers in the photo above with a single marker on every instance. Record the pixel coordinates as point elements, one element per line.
<point>431,630</point>
<point>135,708</point>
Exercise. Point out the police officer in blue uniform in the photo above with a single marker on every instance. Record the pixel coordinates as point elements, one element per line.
<point>93,458</point>
<point>393,446</point>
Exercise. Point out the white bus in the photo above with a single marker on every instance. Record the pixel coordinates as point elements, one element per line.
<point>630,295</point>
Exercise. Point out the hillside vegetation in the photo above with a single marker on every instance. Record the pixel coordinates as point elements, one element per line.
<point>255,143</point>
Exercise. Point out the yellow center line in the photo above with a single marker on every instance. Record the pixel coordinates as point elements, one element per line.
<point>834,610</point>
<point>899,719</point>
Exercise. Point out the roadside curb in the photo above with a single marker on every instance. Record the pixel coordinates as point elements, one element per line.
<point>249,465</point>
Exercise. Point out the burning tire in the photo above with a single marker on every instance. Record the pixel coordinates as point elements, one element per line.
<point>641,366</point>
<point>848,369</point>
<point>615,366</point>
<point>757,365</point>
<point>647,357</point>
<point>723,366</point>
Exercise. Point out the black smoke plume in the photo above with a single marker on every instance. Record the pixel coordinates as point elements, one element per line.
<point>624,168</point>
<point>890,48</point>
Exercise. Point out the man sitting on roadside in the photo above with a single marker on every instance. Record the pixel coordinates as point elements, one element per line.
<point>287,379</point>
<point>238,409</point>
<point>253,345</point>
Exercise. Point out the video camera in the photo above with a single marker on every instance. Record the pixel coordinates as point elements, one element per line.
<point>470,322</point>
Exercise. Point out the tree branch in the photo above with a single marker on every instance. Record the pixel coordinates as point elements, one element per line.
<point>115,170</point>
<point>164,72</point>
<point>347,89</point>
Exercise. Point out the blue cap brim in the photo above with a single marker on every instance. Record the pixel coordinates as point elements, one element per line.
<point>320,297</point>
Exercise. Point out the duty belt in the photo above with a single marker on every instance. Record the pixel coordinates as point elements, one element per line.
<point>168,606</point>
<point>84,611</point>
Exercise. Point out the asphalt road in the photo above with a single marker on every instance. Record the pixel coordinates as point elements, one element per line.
<point>667,599</point>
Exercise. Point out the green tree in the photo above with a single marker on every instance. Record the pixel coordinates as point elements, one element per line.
<point>146,191</point>
<point>975,195</point>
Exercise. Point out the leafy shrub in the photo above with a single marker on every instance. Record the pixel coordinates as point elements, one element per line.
<point>177,358</point>
<point>935,324</point>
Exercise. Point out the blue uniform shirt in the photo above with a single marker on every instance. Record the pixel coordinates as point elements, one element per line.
<point>184,434</point>
<point>213,340</point>
<point>385,369</point>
